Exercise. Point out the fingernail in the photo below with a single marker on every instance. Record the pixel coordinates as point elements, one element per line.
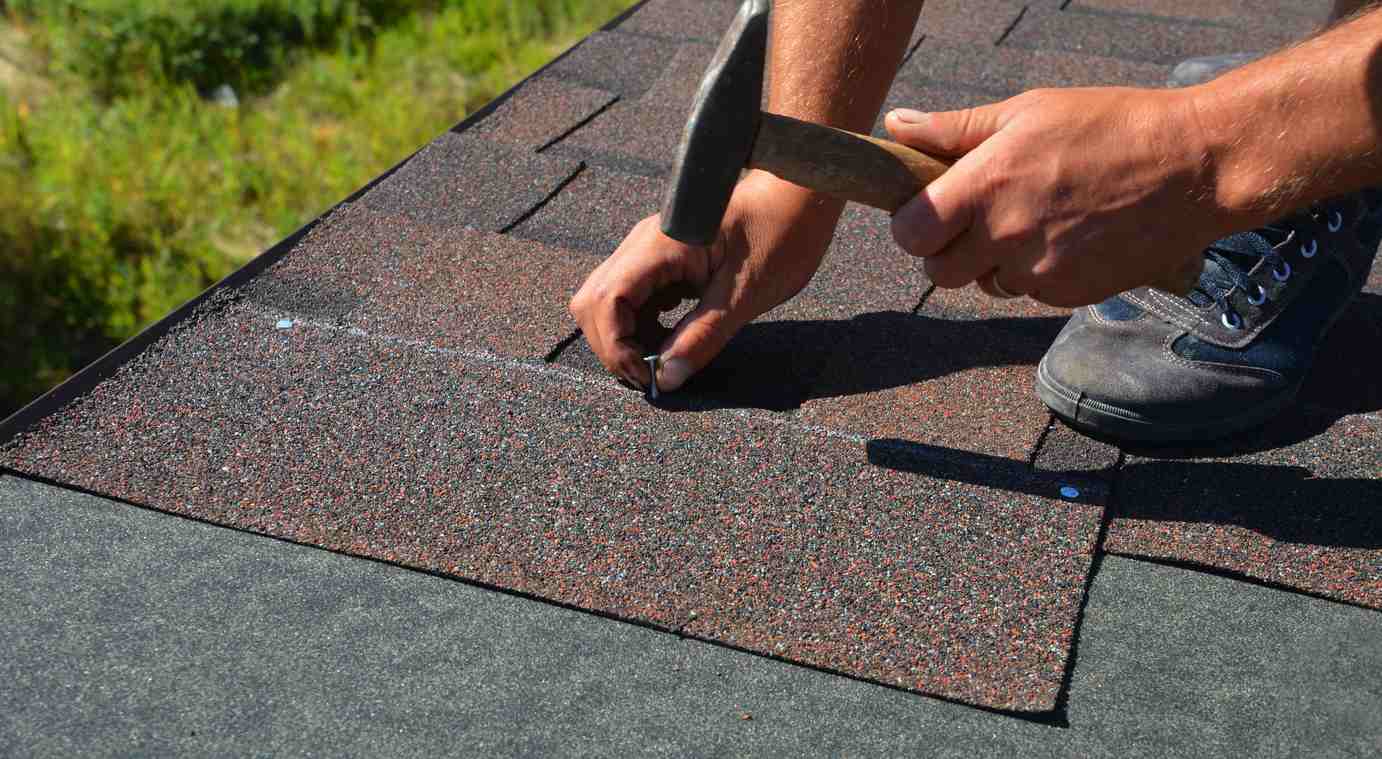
<point>673,373</point>
<point>909,116</point>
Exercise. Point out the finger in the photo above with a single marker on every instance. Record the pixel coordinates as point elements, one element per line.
<point>695,341</point>
<point>939,214</point>
<point>966,259</point>
<point>947,133</point>
<point>620,349</point>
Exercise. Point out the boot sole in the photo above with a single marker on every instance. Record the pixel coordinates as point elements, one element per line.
<point>1105,420</point>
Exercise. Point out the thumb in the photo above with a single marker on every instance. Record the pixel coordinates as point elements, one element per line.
<point>696,340</point>
<point>948,133</point>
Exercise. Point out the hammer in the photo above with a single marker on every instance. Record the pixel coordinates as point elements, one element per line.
<point>728,132</point>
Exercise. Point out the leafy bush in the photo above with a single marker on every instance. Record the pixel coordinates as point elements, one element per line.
<point>116,211</point>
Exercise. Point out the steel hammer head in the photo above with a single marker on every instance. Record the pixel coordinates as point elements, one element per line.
<point>720,132</point>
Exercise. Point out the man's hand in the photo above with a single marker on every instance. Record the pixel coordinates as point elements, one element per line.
<point>1068,196</point>
<point>772,240</point>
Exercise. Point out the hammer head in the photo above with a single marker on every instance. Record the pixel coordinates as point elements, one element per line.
<point>720,131</point>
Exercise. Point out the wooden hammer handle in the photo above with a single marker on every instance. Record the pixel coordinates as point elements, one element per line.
<point>868,170</point>
<point>849,166</point>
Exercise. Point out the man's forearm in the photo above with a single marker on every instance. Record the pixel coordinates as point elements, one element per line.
<point>833,61</point>
<point>1298,126</point>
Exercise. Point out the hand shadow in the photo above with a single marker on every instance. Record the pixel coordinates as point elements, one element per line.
<point>779,365</point>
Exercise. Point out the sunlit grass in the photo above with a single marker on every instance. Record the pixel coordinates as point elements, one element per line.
<point>120,201</point>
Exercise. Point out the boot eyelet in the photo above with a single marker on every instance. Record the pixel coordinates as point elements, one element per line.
<point>1231,320</point>
<point>1260,298</point>
<point>1282,274</point>
<point>1336,221</point>
<point>1309,251</point>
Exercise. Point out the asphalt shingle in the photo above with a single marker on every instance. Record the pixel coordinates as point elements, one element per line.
<point>633,137</point>
<point>542,111</point>
<point>1132,36</point>
<point>594,212</point>
<point>978,22</point>
<point>1299,514</point>
<point>735,527</point>
<point>462,179</point>
<point>704,20</point>
<point>447,287</point>
<point>625,64</point>
<point>1005,70</point>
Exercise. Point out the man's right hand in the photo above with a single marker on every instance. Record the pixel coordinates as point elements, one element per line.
<point>773,238</point>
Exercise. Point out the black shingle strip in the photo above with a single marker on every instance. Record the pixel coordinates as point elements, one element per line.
<point>780,540</point>
<point>543,111</point>
<point>1303,515</point>
<point>448,287</point>
<point>594,212</point>
<point>625,64</point>
<point>467,180</point>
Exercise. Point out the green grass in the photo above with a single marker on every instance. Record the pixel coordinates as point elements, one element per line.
<point>131,193</point>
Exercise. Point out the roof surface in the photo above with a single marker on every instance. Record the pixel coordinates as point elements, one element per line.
<point>863,490</point>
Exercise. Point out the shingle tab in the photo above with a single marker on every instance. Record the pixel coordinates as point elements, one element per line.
<point>955,384</point>
<point>1004,71</point>
<point>466,180</point>
<point>977,22</point>
<point>1291,19</point>
<point>541,111</point>
<point>594,212</point>
<point>447,287</point>
<point>781,540</point>
<point>633,137</point>
<point>676,87</point>
<point>704,20</point>
<point>1299,514</point>
<point>625,64</point>
<point>1135,37</point>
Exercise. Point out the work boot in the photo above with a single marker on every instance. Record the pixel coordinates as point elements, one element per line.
<point>1147,366</point>
<point>1194,71</point>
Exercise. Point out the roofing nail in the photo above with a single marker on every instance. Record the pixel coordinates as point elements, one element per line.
<point>652,368</point>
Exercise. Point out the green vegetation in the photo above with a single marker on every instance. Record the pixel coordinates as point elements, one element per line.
<point>124,190</point>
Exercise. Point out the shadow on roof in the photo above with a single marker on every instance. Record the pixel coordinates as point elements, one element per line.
<point>780,365</point>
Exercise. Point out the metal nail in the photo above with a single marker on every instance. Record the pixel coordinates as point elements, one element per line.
<point>652,369</point>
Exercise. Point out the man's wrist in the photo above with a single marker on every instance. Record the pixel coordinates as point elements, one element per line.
<point>1242,194</point>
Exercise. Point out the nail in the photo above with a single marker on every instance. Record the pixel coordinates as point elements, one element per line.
<point>652,372</point>
<point>909,116</point>
<point>675,372</point>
